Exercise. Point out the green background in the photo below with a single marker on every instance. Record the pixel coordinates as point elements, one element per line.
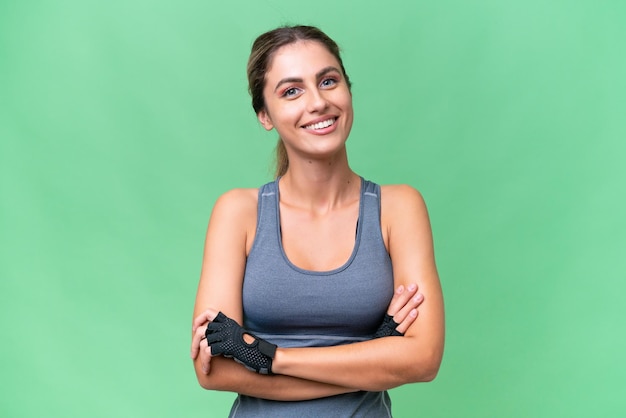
<point>122,121</point>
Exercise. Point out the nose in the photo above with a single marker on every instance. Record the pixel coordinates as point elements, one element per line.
<point>316,101</point>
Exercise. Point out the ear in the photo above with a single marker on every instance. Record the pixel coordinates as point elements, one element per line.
<point>265,120</point>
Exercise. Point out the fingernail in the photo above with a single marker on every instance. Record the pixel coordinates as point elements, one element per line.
<point>413,313</point>
<point>400,289</point>
<point>417,297</point>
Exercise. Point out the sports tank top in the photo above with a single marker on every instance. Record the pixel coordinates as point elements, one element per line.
<point>293,307</point>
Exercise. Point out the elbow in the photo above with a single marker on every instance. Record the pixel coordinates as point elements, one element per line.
<point>209,381</point>
<point>205,382</point>
<point>428,375</point>
<point>424,370</point>
<point>428,369</point>
<point>222,375</point>
<point>405,369</point>
<point>421,373</point>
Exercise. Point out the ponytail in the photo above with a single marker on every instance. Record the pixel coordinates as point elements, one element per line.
<point>282,160</point>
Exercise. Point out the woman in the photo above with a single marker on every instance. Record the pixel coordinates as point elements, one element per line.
<point>298,276</point>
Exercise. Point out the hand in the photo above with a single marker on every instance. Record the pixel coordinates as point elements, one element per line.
<point>401,313</point>
<point>199,345</point>
<point>226,337</point>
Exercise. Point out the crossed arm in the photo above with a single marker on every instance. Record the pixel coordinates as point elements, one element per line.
<point>307,373</point>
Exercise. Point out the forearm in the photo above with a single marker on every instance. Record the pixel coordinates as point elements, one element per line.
<point>374,365</point>
<point>227,375</point>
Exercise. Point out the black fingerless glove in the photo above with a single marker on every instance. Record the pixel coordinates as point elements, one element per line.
<point>225,337</point>
<point>388,328</point>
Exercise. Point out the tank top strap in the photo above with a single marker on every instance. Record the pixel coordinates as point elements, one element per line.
<point>268,213</point>
<point>370,188</point>
<point>370,213</point>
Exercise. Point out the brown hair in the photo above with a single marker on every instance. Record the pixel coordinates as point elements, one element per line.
<point>259,62</point>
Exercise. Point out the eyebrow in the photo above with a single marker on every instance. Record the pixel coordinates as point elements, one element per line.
<point>319,75</point>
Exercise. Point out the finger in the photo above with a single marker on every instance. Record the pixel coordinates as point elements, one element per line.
<point>204,317</point>
<point>400,297</point>
<point>406,323</point>
<point>198,336</point>
<point>199,321</point>
<point>412,303</point>
<point>205,359</point>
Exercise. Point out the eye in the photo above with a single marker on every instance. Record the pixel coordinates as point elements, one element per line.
<point>328,82</point>
<point>291,92</point>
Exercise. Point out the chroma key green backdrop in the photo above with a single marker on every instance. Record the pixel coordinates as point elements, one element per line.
<point>122,121</point>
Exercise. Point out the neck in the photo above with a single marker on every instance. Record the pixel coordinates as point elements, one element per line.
<point>319,185</point>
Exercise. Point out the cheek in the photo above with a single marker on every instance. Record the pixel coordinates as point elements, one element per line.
<point>347,107</point>
<point>287,114</point>
<point>344,99</point>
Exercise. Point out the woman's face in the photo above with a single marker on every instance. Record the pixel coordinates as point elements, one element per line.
<point>307,100</point>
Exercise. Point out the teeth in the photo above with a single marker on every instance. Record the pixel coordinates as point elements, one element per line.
<point>321,125</point>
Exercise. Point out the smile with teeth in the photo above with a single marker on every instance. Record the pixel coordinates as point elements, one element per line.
<point>321,125</point>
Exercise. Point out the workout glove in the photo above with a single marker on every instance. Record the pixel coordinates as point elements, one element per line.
<point>225,337</point>
<point>388,328</point>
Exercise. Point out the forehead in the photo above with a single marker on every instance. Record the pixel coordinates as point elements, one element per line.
<point>300,59</point>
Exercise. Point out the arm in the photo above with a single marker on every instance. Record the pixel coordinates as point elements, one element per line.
<point>387,362</point>
<point>229,237</point>
<point>227,375</point>
<point>226,337</point>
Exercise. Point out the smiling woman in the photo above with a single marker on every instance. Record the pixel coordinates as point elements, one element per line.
<point>307,100</point>
<point>311,284</point>
<point>258,65</point>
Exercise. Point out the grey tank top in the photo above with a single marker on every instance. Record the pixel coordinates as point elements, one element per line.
<point>293,307</point>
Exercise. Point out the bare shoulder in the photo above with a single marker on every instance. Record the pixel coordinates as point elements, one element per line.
<point>233,221</point>
<point>400,200</point>
<point>237,200</point>
<point>403,215</point>
<point>235,210</point>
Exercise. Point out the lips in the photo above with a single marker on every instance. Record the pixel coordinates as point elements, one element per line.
<point>321,124</point>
